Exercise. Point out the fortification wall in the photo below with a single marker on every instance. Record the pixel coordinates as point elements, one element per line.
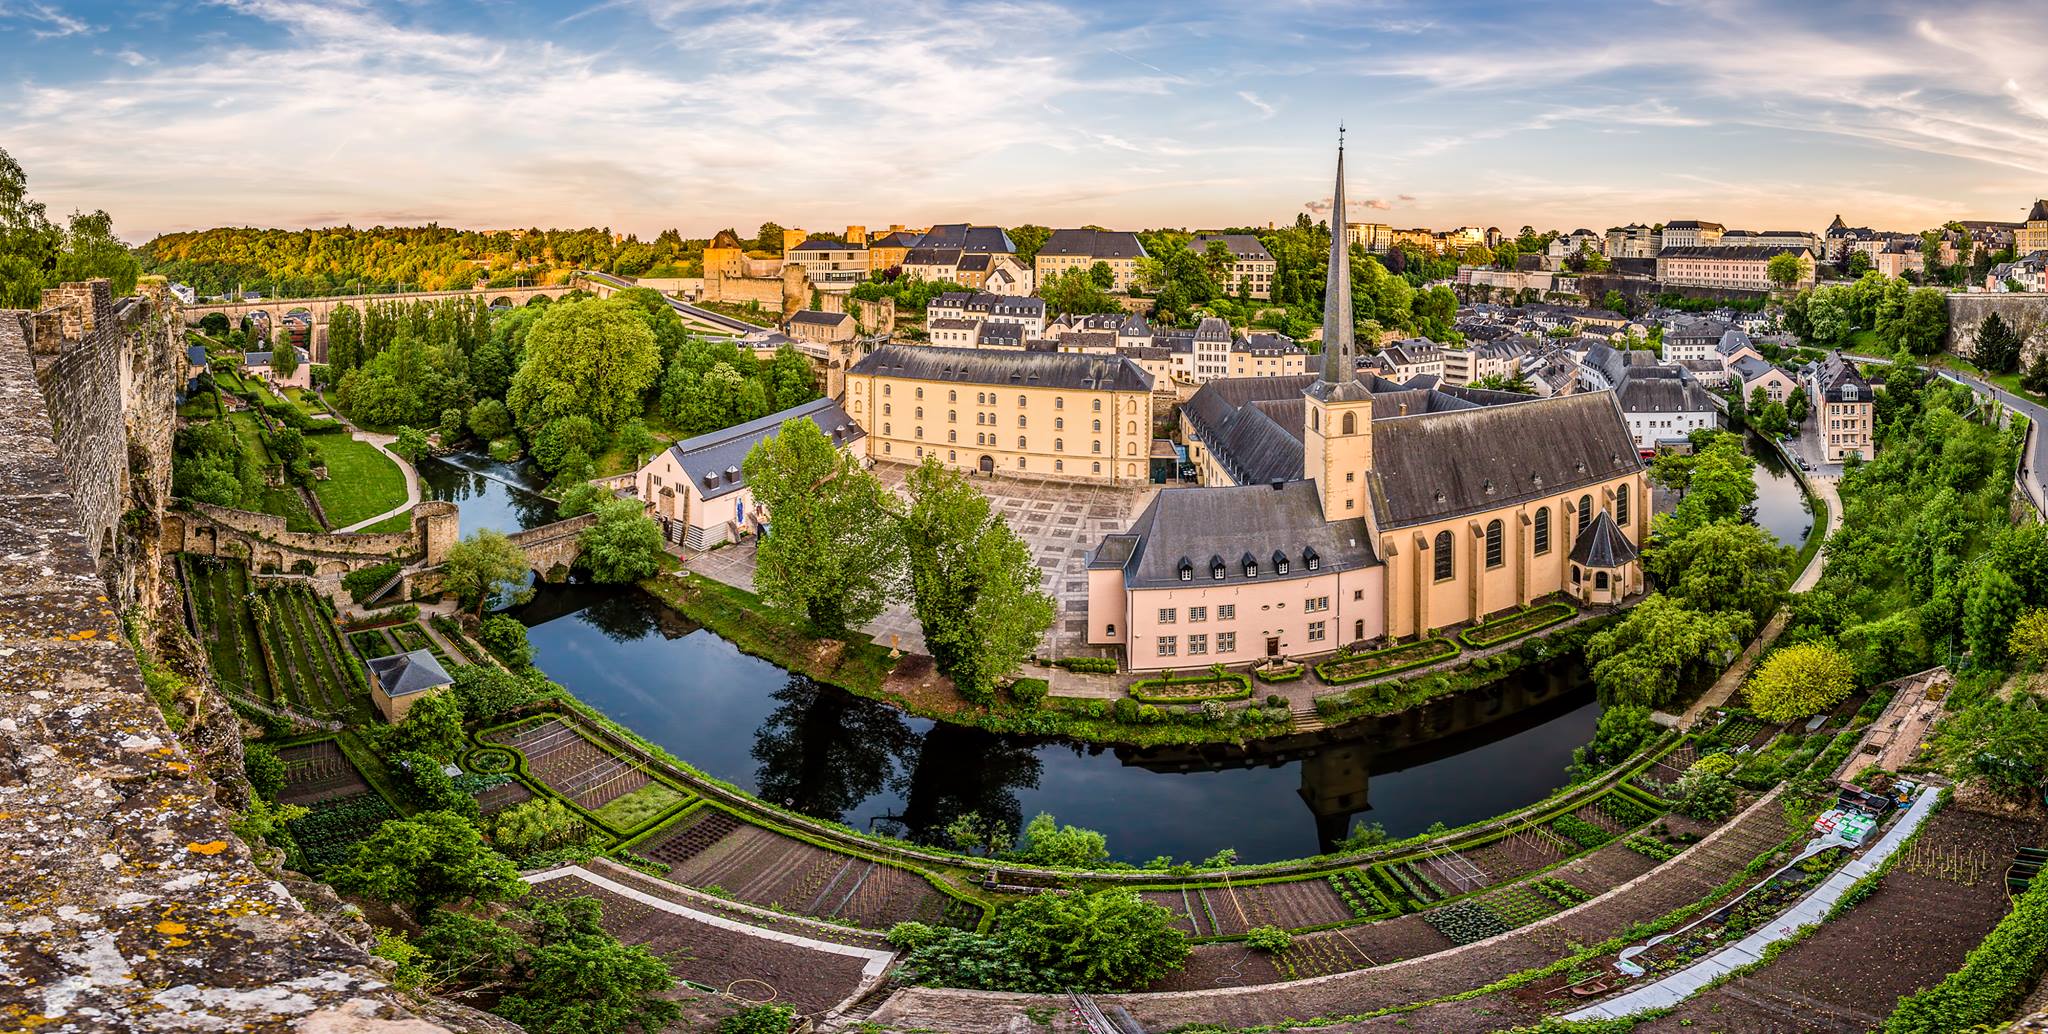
<point>132,905</point>
<point>262,539</point>
<point>2025,313</point>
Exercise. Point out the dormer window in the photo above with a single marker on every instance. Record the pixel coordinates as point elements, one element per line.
<point>1313,560</point>
<point>1216,568</point>
<point>1187,570</point>
<point>1251,565</point>
<point>1848,393</point>
<point>1279,562</point>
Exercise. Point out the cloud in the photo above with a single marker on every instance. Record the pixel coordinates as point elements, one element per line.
<point>1322,206</point>
<point>1265,110</point>
<point>131,57</point>
<point>50,22</point>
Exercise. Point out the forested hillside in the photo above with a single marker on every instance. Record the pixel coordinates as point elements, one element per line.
<point>299,263</point>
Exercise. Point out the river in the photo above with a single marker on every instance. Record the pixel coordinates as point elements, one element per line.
<point>828,753</point>
<point>1780,502</point>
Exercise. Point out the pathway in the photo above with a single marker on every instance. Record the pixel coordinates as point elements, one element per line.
<point>412,476</point>
<point>1677,987</point>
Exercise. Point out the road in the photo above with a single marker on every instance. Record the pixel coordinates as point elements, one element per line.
<point>690,313</point>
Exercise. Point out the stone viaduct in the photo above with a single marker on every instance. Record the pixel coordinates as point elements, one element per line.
<point>320,310</point>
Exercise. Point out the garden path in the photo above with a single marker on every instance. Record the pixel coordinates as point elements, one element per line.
<point>381,443</point>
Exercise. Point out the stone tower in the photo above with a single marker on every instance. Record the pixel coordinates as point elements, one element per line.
<point>1337,431</point>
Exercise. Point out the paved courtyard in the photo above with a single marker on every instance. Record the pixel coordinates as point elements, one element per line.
<point>1059,520</point>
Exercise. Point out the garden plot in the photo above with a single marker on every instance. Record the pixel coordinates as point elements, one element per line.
<point>330,832</point>
<point>1666,770</point>
<point>1287,906</point>
<point>233,644</point>
<point>688,837</point>
<point>1190,909</point>
<point>504,795</point>
<point>275,642</point>
<point>766,868</point>
<point>1523,851</point>
<point>567,762</point>
<point>318,772</point>
<point>810,976</point>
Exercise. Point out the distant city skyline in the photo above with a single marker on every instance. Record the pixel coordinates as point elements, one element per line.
<point>642,115</point>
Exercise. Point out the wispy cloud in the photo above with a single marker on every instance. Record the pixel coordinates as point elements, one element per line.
<point>1265,110</point>
<point>46,21</point>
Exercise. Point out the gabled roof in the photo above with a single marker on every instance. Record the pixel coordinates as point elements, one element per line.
<point>1242,246</point>
<point>712,461</point>
<point>1222,526</point>
<point>1438,465</point>
<point>1835,373</point>
<point>1603,545</point>
<point>404,674</point>
<point>1075,371</point>
<point>967,237</point>
<point>818,318</point>
<point>1099,244</point>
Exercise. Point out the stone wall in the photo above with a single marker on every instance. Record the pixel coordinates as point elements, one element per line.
<point>130,904</point>
<point>875,318</point>
<point>2026,313</point>
<point>261,539</point>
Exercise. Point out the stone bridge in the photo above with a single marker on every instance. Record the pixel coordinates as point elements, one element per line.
<point>552,548</point>
<point>262,540</point>
<point>322,309</point>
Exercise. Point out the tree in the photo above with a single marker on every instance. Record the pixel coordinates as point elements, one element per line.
<point>1725,565</point>
<point>1029,238</point>
<point>972,833</point>
<point>589,358</point>
<point>2029,639</point>
<point>1998,346</point>
<point>582,498</point>
<point>973,583</point>
<point>831,552</point>
<point>411,444</point>
<point>769,238</point>
<point>1074,292</point>
<point>486,691</point>
<point>530,827</point>
<point>466,950</point>
<point>1925,323</point>
<point>1796,405</point>
<point>1620,731</point>
<point>284,356</point>
<point>623,546</point>
<point>425,861</point>
<point>1705,796</point>
<point>266,771</point>
<point>490,420</point>
<point>2035,380</point>
<point>1785,269</point>
<point>581,980</point>
<point>1857,264</point>
<point>1989,613</point>
<point>635,441</point>
<point>1796,681</point>
<point>1651,653</point>
<point>478,565</point>
<point>1046,842</point>
<point>431,726</point>
<point>1104,940</point>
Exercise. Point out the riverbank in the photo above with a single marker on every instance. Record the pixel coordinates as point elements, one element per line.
<point>908,681</point>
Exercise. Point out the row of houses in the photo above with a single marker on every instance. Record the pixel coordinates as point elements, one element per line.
<point>1197,355</point>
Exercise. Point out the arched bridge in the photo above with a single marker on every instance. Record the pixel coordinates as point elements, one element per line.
<point>320,310</point>
<point>553,546</point>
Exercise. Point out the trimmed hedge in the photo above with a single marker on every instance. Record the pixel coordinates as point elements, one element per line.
<point>1242,690</point>
<point>1289,674</point>
<point>1333,670</point>
<point>1091,665</point>
<point>1517,625</point>
<point>1995,978</point>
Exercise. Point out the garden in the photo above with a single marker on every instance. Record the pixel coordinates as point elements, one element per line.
<point>274,642</point>
<point>1349,667</point>
<point>1514,626</point>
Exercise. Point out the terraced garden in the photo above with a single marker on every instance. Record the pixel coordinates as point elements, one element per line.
<point>577,768</point>
<point>274,642</point>
<point>318,772</point>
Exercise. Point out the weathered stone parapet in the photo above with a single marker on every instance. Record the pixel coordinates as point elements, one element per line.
<point>261,538</point>
<point>126,903</point>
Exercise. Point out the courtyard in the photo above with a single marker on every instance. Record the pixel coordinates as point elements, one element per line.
<point>1059,520</point>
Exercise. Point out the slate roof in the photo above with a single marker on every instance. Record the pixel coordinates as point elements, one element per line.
<point>2039,212</point>
<point>967,238</point>
<point>195,355</point>
<point>1751,367</point>
<point>895,239</point>
<point>1661,389</point>
<point>718,455</point>
<point>1000,335</point>
<point>1243,246</point>
<point>819,318</point>
<point>1835,373</point>
<point>1074,371</point>
<point>403,674</point>
<point>1438,465</point>
<point>1741,253</point>
<point>927,256</point>
<point>1099,244</point>
<point>1222,526</point>
<point>974,262</point>
<point>1603,545</point>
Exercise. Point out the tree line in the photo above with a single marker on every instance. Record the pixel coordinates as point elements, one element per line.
<point>36,254</point>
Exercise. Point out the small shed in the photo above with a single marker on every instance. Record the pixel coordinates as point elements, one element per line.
<point>401,680</point>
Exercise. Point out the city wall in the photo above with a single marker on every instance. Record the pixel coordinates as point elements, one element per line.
<point>2027,314</point>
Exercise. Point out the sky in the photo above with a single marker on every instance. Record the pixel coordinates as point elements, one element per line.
<point>699,114</point>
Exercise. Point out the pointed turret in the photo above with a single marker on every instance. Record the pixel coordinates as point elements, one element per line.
<point>1838,225</point>
<point>1340,347</point>
<point>1337,432</point>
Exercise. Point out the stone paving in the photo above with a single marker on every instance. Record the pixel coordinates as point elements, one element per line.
<point>1059,520</point>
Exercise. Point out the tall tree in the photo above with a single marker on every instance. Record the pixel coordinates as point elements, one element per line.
<point>479,564</point>
<point>1658,647</point>
<point>1796,681</point>
<point>426,861</point>
<point>1998,347</point>
<point>592,357</point>
<point>623,546</point>
<point>1725,565</point>
<point>831,552</point>
<point>973,584</point>
<point>1785,269</point>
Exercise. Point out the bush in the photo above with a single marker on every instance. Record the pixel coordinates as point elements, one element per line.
<point>758,1019</point>
<point>1705,796</point>
<point>506,637</point>
<point>1096,665</point>
<point>362,582</point>
<point>1028,692</point>
<point>265,769</point>
<point>1125,709</point>
<point>1269,939</point>
<point>1995,977</point>
<point>1719,764</point>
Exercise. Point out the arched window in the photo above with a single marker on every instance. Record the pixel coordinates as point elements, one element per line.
<point>1599,580</point>
<point>1542,530</point>
<point>1059,402</point>
<point>1350,423</point>
<point>1358,629</point>
<point>1098,425</point>
<point>1621,505</point>
<point>1098,405</point>
<point>1131,428</point>
<point>1494,543</point>
<point>1315,419</point>
<point>1444,565</point>
<point>1059,445</point>
<point>1585,511</point>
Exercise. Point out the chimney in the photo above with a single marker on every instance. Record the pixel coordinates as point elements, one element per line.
<point>732,475</point>
<point>1277,483</point>
<point>1404,409</point>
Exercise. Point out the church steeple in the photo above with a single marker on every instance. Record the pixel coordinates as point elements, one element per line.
<point>1340,347</point>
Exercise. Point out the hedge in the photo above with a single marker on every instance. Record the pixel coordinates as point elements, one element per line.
<point>1242,691</point>
<point>1288,674</point>
<point>1328,670</point>
<point>1093,665</point>
<point>1535,619</point>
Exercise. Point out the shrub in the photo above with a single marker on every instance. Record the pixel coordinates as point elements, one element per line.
<point>265,769</point>
<point>1719,764</point>
<point>758,1019</point>
<point>1028,692</point>
<point>506,637</point>
<point>1096,665</point>
<point>1705,796</point>
<point>1125,709</point>
<point>1578,830</point>
<point>1269,939</point>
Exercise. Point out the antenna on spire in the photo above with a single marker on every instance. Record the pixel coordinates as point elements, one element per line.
<point>1340,136</point>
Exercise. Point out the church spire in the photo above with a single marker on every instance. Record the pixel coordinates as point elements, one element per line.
<point>1340,349</point>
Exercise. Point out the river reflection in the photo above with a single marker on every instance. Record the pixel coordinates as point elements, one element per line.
<point>498,496</point>
<point>826,753</point>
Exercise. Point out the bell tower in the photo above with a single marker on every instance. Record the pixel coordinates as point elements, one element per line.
<point>1337,431</point>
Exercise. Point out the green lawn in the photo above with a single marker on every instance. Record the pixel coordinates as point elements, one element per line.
<point>395,523</point>
<point>641,805</point>
<point>361,482</point>
<point>283,502</point>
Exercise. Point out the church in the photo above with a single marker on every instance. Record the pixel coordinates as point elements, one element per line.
<point>1342,509</point>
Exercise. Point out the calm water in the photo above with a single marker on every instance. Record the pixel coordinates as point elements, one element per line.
<point>499,496</point>
<point>830,754</point>
<point>1780,505</point>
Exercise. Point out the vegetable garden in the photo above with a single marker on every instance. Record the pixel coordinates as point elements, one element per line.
<point>275,642</point>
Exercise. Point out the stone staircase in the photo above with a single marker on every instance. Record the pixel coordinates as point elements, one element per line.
<point>1307,720</point>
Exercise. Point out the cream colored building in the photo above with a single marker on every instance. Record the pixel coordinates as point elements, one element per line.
<point>831,265</point>
<point>1845,406</point>
<point>696,490</point>
<point>1739,269</point>
<point>2033,236</point>
<point>1082,249</point>
<point>1073,416</point>
<point>1377,238</point>
<point>1691,233</point>
<point>1251,265</point>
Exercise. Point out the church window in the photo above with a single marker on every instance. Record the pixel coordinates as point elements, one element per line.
<point>1445,566</point>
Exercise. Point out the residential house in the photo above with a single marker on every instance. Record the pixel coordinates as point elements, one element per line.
<point>259,364</point>
<point>1479,360</point>
<point>1080,417</point>
<point>2030,272</point>
<point>1757,373</point>
<point>696,489</point>
<point>2033,236</point>
<point>1408,359</point>
<point>400,680</point>
<point>1663,405</point>
<point>1692,338</point>
<point>1251,265</point>
<point>1267,355</point>
<point>888,251</point>
<point>820,327</point>
<point>1634,241</point>
<point>986,307</point>
<point>1845,406</point>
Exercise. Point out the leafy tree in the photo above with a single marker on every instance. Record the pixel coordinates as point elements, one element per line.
<point>1661,644</point>
<point>411,444</point>
<point>478,565</point>
<point>1925,323</point>
<point>2035,380</point>
<point>2029,639</point>
<point>1796,406</point>
<point>1104,940</point>
<point>266,771</point>
<point>1046,842</point>
<point>566,444</point>
<point>583,498</point>
<point>1785,269</point>
<point>589,358</point>
<point>1074,292</point>
<point>1998,345</point>
<point>284,356</point>
<point>973,583</point>
<point>91,250</point>
<point>971,833</point>
<point>1796,681</point>
<point>581,980</point>
<point>506,637</point>
<point>769,238</point>
<point>452,426</point>
<point>431,726</point>
<point>1725,565</point>
<point>1857,264</point>
<point>490,420</point>
<point>1999,744</point>
<point>486,691</point>
<point>1993,606</point>
<point>635,441</point>
<point>427,784</point>
<point>530,827</point>
<point>466,950</point>
<point>425,861</point>
<point>1621,731</point>
<point>831,552</point>
<point>1705,796</point>
<point>344,337</point>
<point>623,546</point>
